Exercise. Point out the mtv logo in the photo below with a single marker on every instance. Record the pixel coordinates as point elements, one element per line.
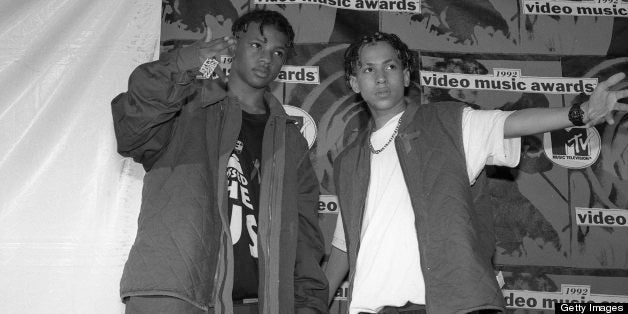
<point>572,142</point>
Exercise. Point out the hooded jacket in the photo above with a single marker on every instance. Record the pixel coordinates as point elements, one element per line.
<point>455,250</point>
<point>183,131</point>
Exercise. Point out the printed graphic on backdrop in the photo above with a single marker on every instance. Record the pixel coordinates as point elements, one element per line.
<point>331,104</point>
<point>328,204</point>
<point>509,80</point>
<point>315,23</point>
<point>489,80</point>
<point>499,26</point>
<point>305,123</point>
<point>476,25</point>
<point>183,22</point>
<point>298,74</point>
<point>573,148</point>
<point>539,290</point>
<point>602,217</point>
<point>603,185</point>
<point>580,8</point>
<point>566,34</point>
<point>358,5</point>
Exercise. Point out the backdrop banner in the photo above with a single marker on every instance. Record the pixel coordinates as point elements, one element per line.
<point>69,203</point>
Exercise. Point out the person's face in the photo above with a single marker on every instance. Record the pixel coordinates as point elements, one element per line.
<point>258,58</point>
<point>380,78</point>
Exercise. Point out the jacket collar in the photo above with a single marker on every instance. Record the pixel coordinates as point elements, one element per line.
<point>406,121</point>
<point>213,93</point>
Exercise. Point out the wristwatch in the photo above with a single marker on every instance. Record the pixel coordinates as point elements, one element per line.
<point>576,115</point>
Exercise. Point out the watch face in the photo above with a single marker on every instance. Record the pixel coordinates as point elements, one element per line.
<point>576,115</point>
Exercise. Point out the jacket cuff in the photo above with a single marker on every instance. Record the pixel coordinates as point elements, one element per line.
<point>188,58</point>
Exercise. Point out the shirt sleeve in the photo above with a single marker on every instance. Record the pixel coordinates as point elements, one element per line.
<point>484,143</point>
<point>338,241</point>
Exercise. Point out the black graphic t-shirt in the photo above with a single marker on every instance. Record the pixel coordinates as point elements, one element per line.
<point>244,178</point>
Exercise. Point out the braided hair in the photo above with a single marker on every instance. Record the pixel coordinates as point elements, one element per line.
<point>264,18</point>
<point>352,54</point>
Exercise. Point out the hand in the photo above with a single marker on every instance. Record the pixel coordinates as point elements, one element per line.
<point>209,48</point>
<point>604,101</point>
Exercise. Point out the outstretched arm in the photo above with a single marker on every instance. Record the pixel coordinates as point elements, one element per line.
<point>600,107</point>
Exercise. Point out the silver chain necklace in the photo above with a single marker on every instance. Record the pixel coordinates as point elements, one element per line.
<point>392,137</point>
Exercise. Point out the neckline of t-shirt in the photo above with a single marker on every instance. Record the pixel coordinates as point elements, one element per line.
<point>388,128</point>
<point>255,117</point>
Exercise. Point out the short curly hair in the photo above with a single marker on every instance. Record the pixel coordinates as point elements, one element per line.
<point>265,18</point>
<point>352,54</point>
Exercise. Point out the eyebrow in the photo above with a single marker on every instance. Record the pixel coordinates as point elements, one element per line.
<point>371,63</point>
<point>261,38</point>
<point>264,39</point>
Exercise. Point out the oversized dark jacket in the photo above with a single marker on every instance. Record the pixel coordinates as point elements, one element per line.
<point>183,132</point>
<point>455,251</point>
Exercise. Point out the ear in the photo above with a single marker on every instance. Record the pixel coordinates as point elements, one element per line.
<point>406,77</point>
<point>353,81</point>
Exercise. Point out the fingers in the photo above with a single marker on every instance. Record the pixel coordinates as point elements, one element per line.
<point>616,78</point>
<point>221,74</point>
<point>215,46</point>
<point>621,107</point>
<point>621,93</point>
<point>228,42</point>
<point>208,35</point>
<point>609,118</point>
<point>604,100</point>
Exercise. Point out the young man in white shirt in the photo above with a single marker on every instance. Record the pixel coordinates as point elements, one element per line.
<point>408,232</point>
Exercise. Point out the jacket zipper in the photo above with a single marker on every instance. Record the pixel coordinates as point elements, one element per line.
<point>266,241</point>
<point>218,275</point>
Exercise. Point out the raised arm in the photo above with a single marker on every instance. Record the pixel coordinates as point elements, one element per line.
<point>145,115</point>
<point>600,107</point>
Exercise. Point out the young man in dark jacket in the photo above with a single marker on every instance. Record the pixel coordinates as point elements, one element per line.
<point>407,217</point>
<point>229,209</point>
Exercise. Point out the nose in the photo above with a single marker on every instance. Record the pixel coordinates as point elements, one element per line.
<point>265,57</point>
<point>380,77</point>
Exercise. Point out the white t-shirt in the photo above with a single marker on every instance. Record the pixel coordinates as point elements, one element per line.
<point>388,271</point>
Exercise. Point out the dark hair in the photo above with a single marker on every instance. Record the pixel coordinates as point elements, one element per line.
<point>264,17</point>
<point>352,54</point>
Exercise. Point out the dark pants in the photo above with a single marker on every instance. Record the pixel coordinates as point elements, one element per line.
<point>409,308</point>
<point>171,305</point>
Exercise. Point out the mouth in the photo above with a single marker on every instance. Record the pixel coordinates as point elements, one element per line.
<point>382,92</point>
<point>261,72</point>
